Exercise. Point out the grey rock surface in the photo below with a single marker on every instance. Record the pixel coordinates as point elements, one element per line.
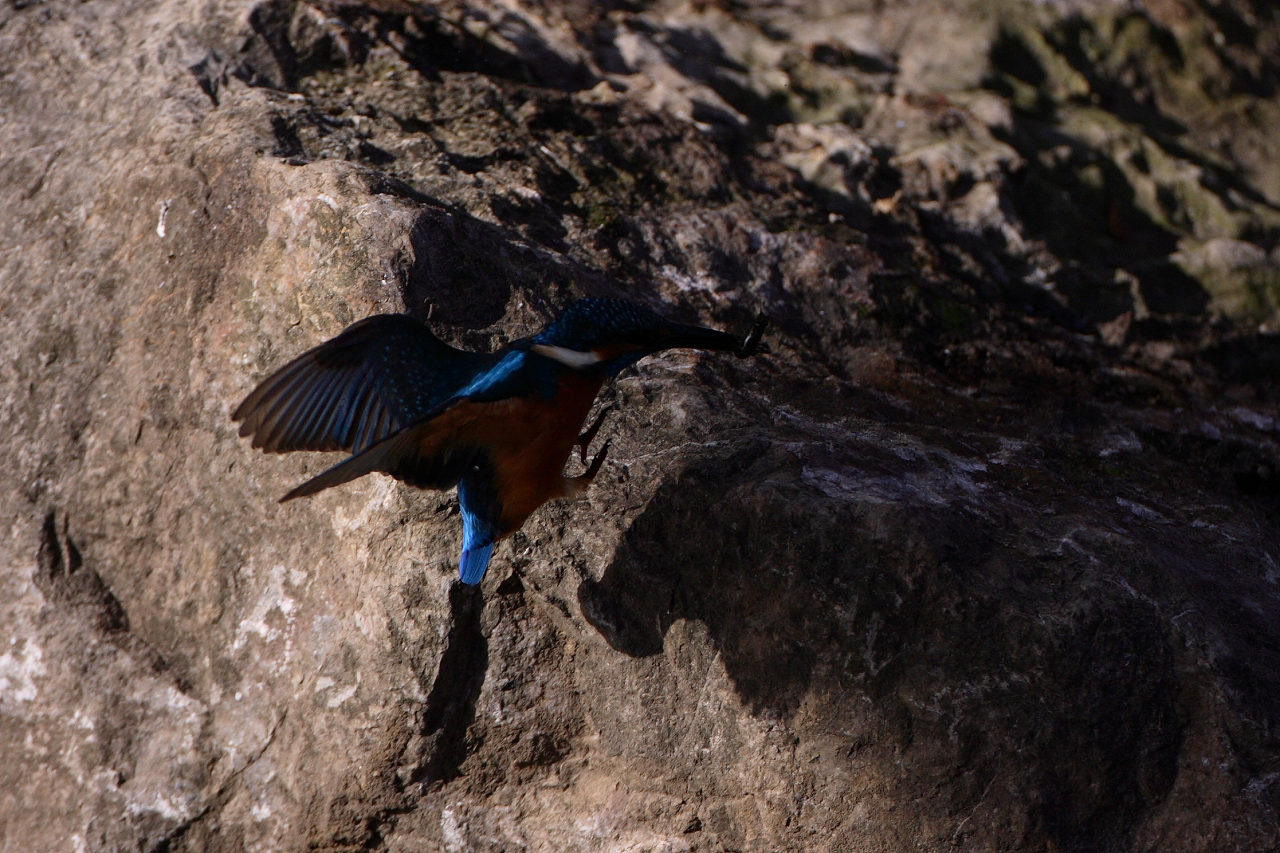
<point>982,555</point>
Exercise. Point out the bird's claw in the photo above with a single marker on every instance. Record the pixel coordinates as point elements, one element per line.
<point>577,485</point>
<point>584,440</point>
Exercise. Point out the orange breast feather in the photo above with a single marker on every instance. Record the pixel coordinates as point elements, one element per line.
<point>529,441</point>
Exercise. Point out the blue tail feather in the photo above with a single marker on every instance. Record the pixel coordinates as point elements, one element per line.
<point>479,533</point>
<point>474,563</point>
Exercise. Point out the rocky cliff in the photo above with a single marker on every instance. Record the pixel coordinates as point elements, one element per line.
<point>982,555</point>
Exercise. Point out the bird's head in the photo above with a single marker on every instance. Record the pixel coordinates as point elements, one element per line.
<point>610,334</point>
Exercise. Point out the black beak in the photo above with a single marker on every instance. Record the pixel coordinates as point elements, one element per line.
<point>679,336</point>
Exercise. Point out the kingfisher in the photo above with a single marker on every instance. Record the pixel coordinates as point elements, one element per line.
<point>499,426</point>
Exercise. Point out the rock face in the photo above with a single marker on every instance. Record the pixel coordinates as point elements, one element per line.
<point>982,556</point>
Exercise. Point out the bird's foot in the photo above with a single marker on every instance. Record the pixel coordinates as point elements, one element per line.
<point>584,440</point>
<point>578,485</point>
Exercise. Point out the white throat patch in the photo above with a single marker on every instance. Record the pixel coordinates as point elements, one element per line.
<point>568,357</point>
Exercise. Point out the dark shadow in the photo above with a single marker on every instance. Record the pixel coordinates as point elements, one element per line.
<point>1079,202</point>
<point>771,580</point>
<point>373,156</point>
<point>460,273</point>
<point>837,54</point>
<point>211,73</point>
<point>1231,597</point>
<point>866,180</point>
<point>288,45</point>
<point>991,274</point>
<point>1124,89</point>
<point>451,703</point>
<point>865,605</point>
<point>1259,77</point>
<point>698,55</point>
<point>269,59</point>
<point>430,41</point>
<point>464,271</point>
<point>672,565</point>
<point>288,144</point>
<point>1251,360</point>
<point>534,217</point>
<point>64,579</point>
<point>1083,206</point>
<point>1010,55</point>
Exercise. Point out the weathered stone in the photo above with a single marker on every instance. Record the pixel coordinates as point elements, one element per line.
<point>980,555</point>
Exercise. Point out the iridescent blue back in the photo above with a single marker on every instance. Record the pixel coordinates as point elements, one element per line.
<point>589,322</point>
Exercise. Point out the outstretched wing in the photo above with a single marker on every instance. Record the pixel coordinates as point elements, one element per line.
<point>433,452</point>
<point>374,379</point>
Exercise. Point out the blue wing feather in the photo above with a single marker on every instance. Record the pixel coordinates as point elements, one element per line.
<point>503,380</point>
<point>380,375</point>
<point>434,451</point>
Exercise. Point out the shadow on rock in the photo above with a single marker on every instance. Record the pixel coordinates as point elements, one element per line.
<point>465,270</point>
<point>949,625</point>
<point>451,704</point>
<point>772,568</point>
<point>64,579</point>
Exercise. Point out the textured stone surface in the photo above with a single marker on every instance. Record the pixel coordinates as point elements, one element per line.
<point>981,556</point>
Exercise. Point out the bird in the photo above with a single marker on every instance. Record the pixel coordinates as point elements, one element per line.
<point>499,426</point>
